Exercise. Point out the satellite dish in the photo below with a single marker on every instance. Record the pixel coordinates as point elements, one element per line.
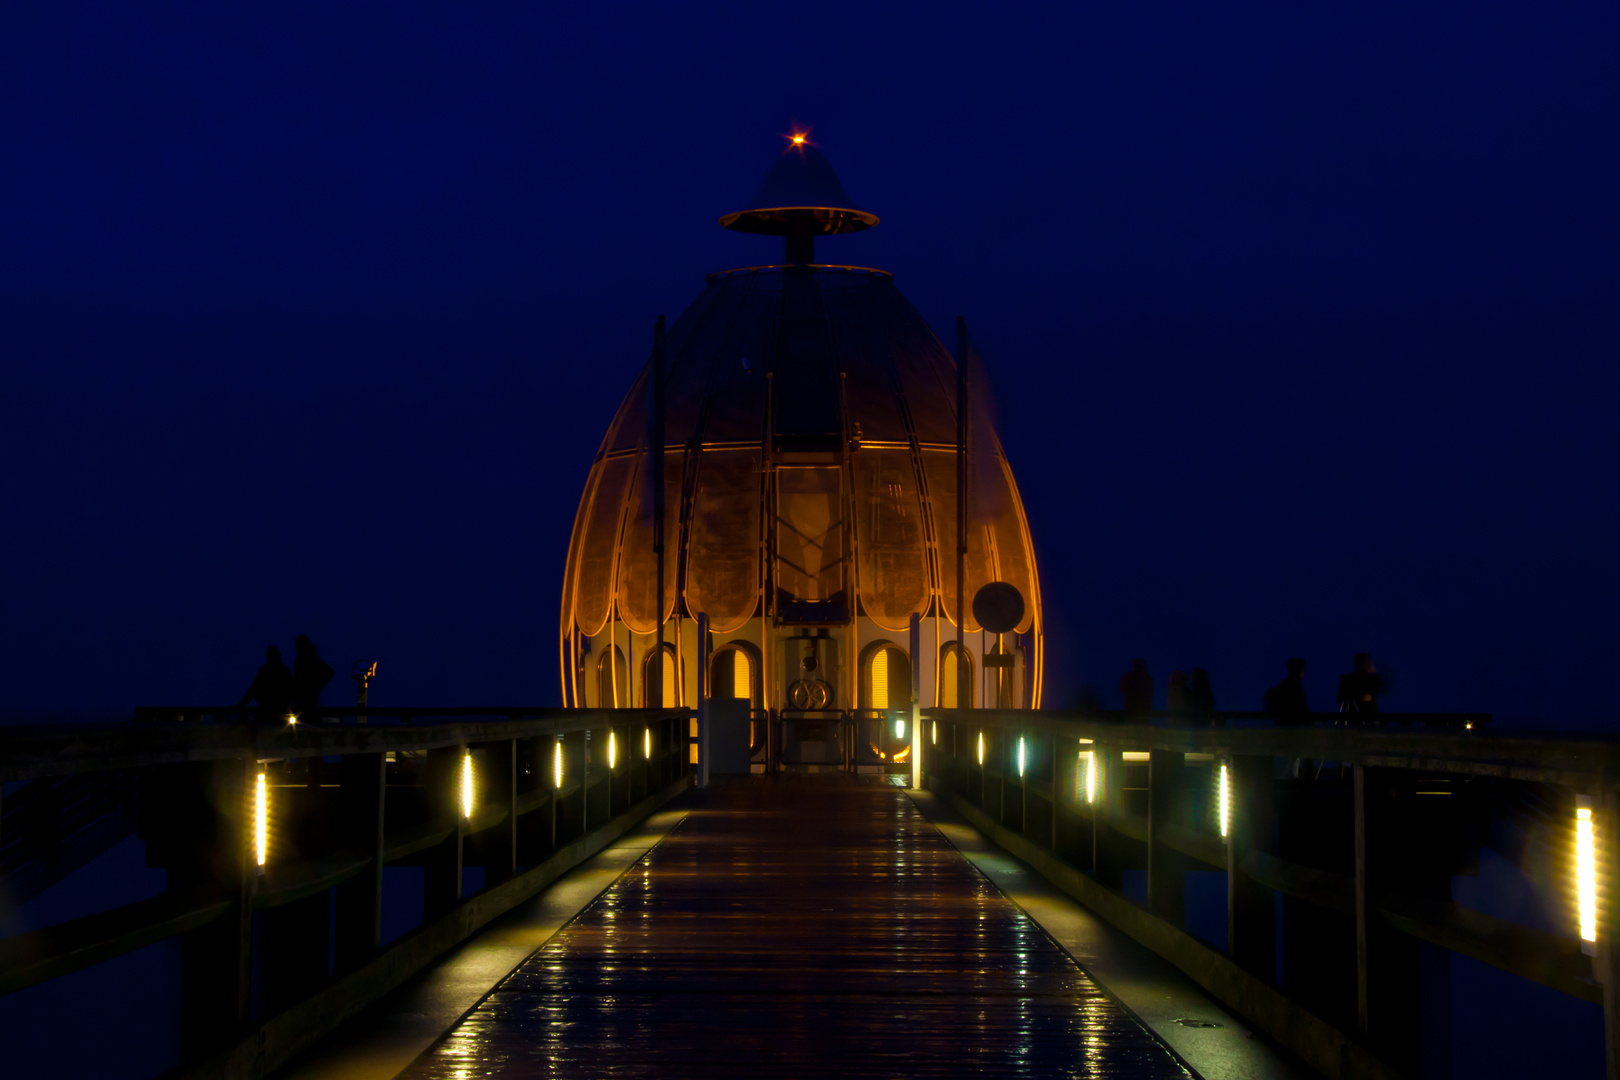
<point>999,607</point>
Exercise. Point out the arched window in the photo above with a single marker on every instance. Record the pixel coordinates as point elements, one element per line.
<point>885,677</point>
<point>660,684</point>
<point>955,677</point>
<point>734,673</point>
<point>612,680</point>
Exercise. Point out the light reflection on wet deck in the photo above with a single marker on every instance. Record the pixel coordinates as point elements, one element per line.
<point>803,926</point>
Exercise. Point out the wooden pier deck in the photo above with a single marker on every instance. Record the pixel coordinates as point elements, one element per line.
<point>799,926</point>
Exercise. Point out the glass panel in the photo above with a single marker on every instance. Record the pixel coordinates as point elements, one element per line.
<point>637,576</point>
<point>809,534</point>
<point>1013,556</point>
<point>864,346</point>
<point>732,671</point>
<point>889,535</point>
<point>597,544</point>
<point>742,675</point>
<point>926,369</point>
<point>722,570</point>
<point>735,384</point>
<point>941,470</point>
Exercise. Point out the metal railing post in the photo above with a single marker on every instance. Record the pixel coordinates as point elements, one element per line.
<point>1606,964</point>
<point>914,642</point>
<point>442,863</point>
<point>1167,879</point>
<point>359,900</point>
<point>1251,908</point>
<point>703,700</point>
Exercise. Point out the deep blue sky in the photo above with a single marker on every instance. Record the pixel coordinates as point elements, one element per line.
<point>1303,322</point>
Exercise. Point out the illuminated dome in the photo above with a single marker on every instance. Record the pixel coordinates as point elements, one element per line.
<point>810,475</point>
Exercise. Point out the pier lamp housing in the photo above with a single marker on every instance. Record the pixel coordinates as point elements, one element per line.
<point>1586,873</point>
<point>261,821</point>
<point>466,784</point>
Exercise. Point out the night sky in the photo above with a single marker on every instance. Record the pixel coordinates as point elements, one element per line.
<point>1302,322</point>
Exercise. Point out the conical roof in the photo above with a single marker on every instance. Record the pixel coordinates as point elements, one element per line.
<point>801,189</point>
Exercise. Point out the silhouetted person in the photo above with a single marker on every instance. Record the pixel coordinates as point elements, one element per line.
<point>310,674</point>
<point>1137,690</point>
<point>1202,698</point>
<point>273,686</point>
<point>1359,689</point>
<point>1177,697</point>
<point>1286,701</point>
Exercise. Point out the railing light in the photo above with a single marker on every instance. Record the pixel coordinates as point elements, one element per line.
<point>261,820</point>
<point>935,739</point>
<point>899,729</point>
<point>646,743</point>
<point>1586,870</point>
<point>556,764</point>
<point>466,785</point>
<point>1020,755</point>
<point>613,750</point>
<point>1088,761</point>
<point>1226,800</point>
<point>981,748</point>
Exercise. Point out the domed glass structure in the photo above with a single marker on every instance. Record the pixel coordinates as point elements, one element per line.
<point>811,473</point>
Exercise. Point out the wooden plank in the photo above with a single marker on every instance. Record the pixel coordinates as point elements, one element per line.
<point>1323,1046</point>
<point>1167,868</point>
<point>814,926</point>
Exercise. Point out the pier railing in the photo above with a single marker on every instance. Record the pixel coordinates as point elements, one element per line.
<point>266,827</point>
<point>1358,830</point>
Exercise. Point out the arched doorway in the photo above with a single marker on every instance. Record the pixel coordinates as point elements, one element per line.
<point>734,673</point>
<point>660,684</point>
<point>612,680</point>
<point>885,677</point>
<point>955,677</point>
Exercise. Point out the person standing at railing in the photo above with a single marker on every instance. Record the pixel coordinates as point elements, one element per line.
<point>310,674</point>
<point>272,687</point>
<point>1177,699</point>
<point>1286,702</point>
<point>1137,690</point>
<point>1359,689</point>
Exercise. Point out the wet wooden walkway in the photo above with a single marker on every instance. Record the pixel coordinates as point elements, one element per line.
<point>801,926</point>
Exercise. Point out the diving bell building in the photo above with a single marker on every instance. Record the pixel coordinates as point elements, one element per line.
<point>802,421</point>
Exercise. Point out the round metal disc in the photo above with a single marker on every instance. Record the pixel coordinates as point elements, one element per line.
<point>999,607</point>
